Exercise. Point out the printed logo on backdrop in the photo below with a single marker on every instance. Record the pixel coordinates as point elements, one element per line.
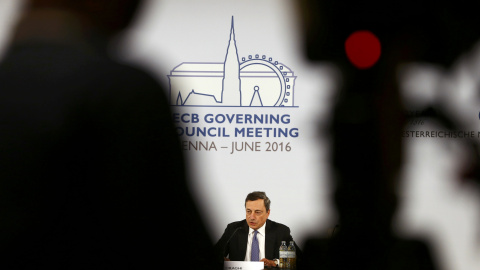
<point>415,128</point>
<point>255,81</point>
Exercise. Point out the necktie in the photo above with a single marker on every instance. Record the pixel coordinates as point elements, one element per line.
<point>255,248</point>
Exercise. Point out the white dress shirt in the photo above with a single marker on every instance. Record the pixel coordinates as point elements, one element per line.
<point>261,242</point>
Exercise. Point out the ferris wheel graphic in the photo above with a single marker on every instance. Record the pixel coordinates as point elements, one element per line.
<point>266,92</point>
<point>252,81</point>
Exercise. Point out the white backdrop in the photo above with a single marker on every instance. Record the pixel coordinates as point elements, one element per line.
<point>170,32</point>
<point>297,182</point>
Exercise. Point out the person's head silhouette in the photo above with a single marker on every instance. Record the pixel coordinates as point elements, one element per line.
<point>108,16</point>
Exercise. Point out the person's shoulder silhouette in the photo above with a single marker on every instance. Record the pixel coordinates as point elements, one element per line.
<point>91,175</point>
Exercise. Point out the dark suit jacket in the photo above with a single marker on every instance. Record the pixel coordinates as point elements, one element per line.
<point>237,233</point>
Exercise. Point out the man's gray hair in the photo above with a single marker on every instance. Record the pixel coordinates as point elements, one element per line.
<point>258,195</point>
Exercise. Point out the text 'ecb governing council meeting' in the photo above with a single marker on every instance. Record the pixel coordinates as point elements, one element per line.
<point>252,83</point>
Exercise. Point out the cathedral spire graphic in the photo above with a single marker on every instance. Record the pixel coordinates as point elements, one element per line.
<point>231,93</point>
<point>253,81</point>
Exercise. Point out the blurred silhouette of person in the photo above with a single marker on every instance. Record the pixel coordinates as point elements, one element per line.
<point>91,171</point>
<point>368,119</point>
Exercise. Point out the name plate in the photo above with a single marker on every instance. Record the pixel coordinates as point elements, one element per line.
<point>241,265</point>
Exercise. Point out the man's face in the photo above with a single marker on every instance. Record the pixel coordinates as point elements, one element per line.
<point>256,213</point>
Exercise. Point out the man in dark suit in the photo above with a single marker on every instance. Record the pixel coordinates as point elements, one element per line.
<point>240,238</point>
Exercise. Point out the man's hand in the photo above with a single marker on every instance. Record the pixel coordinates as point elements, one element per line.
<point>267,262</point>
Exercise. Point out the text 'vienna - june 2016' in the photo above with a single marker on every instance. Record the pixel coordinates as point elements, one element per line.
<point>207,96</point>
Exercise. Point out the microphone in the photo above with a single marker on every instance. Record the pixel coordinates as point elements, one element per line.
<point>336,228</point>
<point>228,241</point>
